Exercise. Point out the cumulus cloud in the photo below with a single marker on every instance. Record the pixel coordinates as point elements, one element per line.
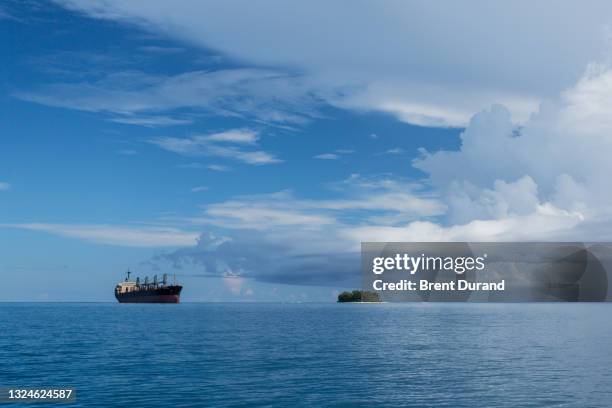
<point>267,258</point>
<point>281,238</point>
<point>560,157</point>
<point>544,180</point>
<point>427,63</point>
<point>546,223</point>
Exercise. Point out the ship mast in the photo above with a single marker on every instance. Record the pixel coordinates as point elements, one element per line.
<point>128,275</point>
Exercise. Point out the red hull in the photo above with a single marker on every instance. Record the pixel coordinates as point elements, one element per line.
<point>150,299</point>
<point>163,294</point>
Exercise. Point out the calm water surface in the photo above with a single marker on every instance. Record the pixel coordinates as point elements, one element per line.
<point>413,355</point>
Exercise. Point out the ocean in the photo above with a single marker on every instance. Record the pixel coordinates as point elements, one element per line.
<point>343,355</point>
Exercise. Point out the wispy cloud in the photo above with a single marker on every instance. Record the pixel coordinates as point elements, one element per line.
<point>383,201</point>
<point>138,98</point>
<point>327,156</point>
<point>6,15</point>
<point>198,166</point>
<point>239,136</point>
<point>217,167</point>
<point>120,235</point>
<point>127,152</point>
<point>199,189</point>
<point>376,70</point>
<point>4,186</point>
<point>281,238</point>
<point>159,50</point>
<point>151,121</point>
<point>498,186</point>
<point>336,155</point>
<point>224,144</point>
<point>394,151</point>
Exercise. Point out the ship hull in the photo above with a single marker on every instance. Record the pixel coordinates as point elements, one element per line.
<point>170,294</point>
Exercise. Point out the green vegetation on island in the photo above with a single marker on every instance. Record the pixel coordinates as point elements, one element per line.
<point>358,296</point>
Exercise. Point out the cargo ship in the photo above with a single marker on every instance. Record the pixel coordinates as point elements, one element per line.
<point>129,291</point>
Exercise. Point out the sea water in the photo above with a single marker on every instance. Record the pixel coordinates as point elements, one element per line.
<point>259,354</point>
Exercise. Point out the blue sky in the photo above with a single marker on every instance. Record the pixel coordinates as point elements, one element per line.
<point>249,149</point>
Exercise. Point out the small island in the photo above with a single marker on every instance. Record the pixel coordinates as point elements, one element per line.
<point>358,296</point>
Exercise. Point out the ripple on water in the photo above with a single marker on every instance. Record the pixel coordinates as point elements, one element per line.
<point>448,355</point>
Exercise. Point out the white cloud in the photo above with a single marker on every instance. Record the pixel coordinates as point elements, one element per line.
<point>546,223</point>
<point>262,212</point>
<point>281,238</point>
<point>197,166</point>
<point>542,181</point>
<point>199,189</point>
<point>586,106</point>
<point>312,244</point>
<point>129,236</point>
<point>138,98</point>
<point>151,121</point>
<point>558,160</point>
<point>562,153</point>
<point>155,49</point>
<point>336,155</point>
<point>5,15</point>
<point>220,145</point>
<point>383,203</point>
<point>240,136</point>
<point>4,186</point>
<point>217,167</point>
<point>416,104</point>
<point>233,283</point>
<point>327,156</point>
<point>428,63</point>
<point>546,180</point>
<point>394,151</point>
